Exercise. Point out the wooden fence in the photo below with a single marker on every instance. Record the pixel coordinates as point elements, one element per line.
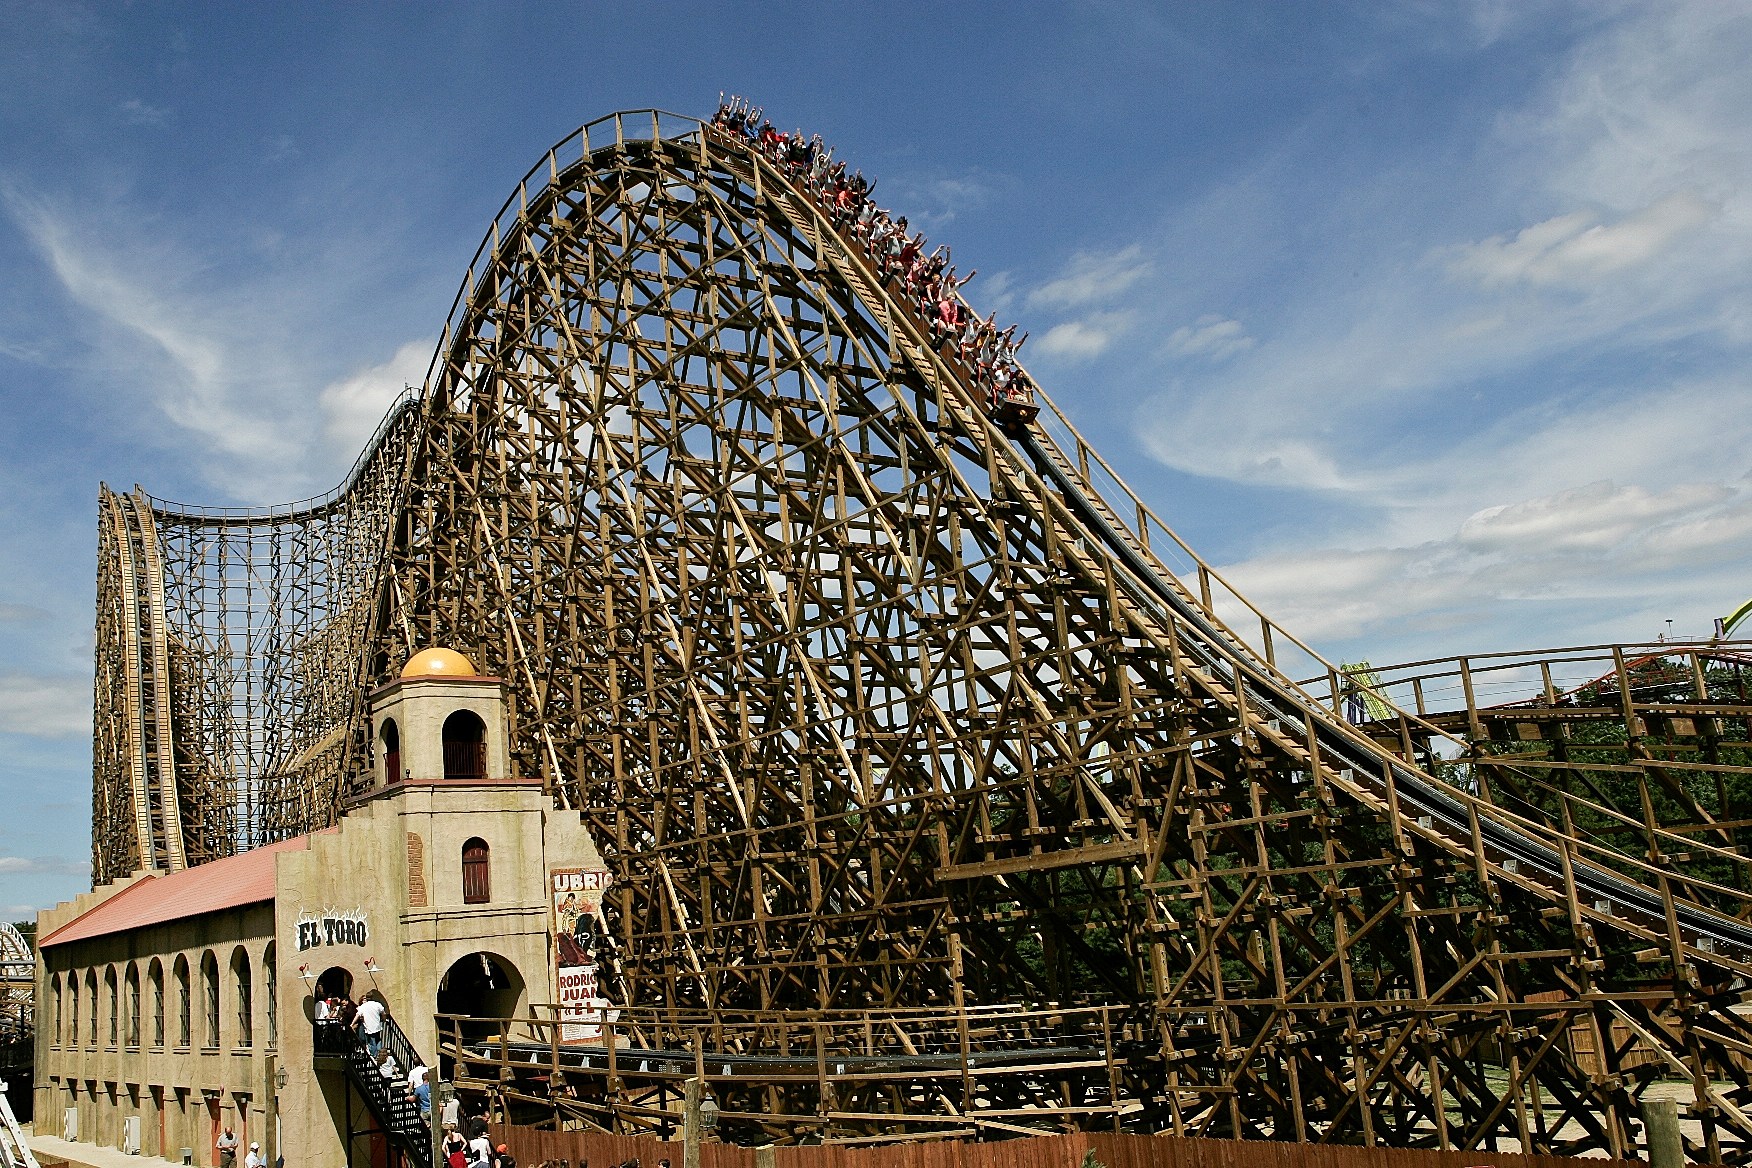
<point>534,1147</point>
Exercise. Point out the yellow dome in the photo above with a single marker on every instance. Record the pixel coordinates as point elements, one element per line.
<point>438,663</point>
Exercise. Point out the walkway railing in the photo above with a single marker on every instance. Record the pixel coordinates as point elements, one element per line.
<point>397,1115</point>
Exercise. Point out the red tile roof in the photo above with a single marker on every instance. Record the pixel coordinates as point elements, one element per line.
<point>207,888</point>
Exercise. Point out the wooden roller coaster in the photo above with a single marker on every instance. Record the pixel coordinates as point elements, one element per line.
<point>944,788</point>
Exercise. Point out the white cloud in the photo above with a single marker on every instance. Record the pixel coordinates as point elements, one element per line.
<point>1591,518</point>
<point>993,293</point>
<point>1211,336</point>
<point>197,380</point>
<point>1093,278</point>
<point>1603,343</point>
<point>222,347</point>
<point>933,202</point>
<point>45,707</point>
<point>43,865</point>
<point>1602,542</point>
<point>137,113</point>
<point>1575,249</point>
<point>353,406</point>
<point>1082,339</point>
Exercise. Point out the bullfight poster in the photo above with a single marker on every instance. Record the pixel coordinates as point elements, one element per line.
<point>577,894</point>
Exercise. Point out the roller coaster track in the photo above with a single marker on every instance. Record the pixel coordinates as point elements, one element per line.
<point>875,702</point>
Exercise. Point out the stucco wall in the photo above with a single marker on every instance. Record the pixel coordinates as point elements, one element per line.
<point>379,895</point>
<point>411,838</point>
<point>177,1088</point>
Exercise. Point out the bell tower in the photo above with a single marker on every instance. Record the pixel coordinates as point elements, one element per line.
<point>440,720</point>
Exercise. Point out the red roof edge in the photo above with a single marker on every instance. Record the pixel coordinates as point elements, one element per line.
<point>232,882</point>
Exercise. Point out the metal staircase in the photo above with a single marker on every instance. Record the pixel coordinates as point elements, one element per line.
<point>397,1115</point>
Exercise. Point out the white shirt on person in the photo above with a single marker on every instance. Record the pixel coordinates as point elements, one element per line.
<point>371,1016</point>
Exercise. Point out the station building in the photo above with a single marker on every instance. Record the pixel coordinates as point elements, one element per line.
<point>170,1006</point>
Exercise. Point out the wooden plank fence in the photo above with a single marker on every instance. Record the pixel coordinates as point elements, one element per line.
<point>535,1147</point>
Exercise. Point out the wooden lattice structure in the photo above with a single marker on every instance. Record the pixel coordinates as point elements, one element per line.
<point>874,704</point>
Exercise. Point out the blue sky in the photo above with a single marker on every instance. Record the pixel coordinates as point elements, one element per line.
<point>1427,322</point>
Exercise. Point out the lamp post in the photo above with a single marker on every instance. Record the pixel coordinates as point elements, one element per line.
<point>281,1078</point>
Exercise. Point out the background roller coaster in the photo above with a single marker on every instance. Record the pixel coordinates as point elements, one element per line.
<point>874,701</point>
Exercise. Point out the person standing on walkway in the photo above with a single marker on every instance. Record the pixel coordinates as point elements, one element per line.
<point>254,1159</point>
<point>480,1150</point>
<point>227,1145</point>
<point>455,1149</point>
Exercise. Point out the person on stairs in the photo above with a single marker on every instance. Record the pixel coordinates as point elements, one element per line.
<point>369,1021</point>
<point>419,1090</point>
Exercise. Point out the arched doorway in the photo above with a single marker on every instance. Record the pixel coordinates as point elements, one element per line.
<point>465,746</point>
<point>477,986</point>
<point>334,984</point>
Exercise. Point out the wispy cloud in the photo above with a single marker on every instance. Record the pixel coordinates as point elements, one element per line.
<point>1093,278</point>
<point>218,352</point>
<point>1575,249</point>
<point>196,381</point>
<point>931,202</point>
<point>1212,337</point>
<point>1605,544</point>
<point>43,866</point>
<point>137,113</point>
<point>1546,410</point>
<point>53,706</point>
<point>353,406</point>
<point>1084,338</point>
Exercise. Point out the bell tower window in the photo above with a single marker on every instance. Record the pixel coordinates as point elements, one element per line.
<point>391,740</point>
<point>465,746</point>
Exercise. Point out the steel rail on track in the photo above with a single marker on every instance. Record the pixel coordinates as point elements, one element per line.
<point>663,1060</point>
<point>302,510</point>
<point>1415,789</point>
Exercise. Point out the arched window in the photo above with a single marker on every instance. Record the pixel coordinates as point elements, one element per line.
<point>390,740</point>
<point>210,996</point>
<point>91,1005</point>
<point>477,883</point>
<point>465,746</point>
<point>155,987</point>
<point>132,1030</point>
<point>109,995</point>
<point>242,986</point>
<point>183,1009</point>
<point>271,990</point>
<point>58,1010</point>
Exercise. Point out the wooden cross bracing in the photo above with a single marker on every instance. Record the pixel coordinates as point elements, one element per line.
<point>872,705</point>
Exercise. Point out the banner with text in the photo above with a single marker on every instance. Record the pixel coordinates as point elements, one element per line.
<point>578,923</point>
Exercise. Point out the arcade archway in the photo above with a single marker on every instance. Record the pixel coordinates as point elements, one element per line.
<point>475,989</point>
